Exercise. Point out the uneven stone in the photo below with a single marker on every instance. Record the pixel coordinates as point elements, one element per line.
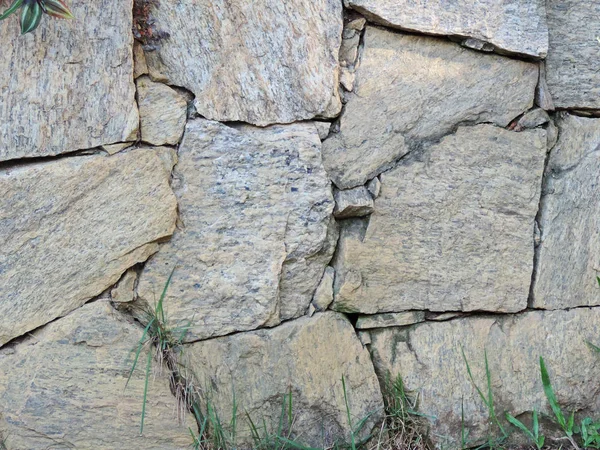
<point>257,232</point>
<point>71,227</point>
<point>572,64</point>
<point>140,67</point>
<point>511,26</point>
<point>64,387</point>
<point>543,98</point>
<point>429,359</point>
<point>124,290</point>
<point>355,202</point>
<point>324,293</point>
<point>322,129</point>
<point>162,112</point>
<point>260,62</point>
<point>452,228</point>
<point>390,320</point>
<point>568,259</point>
<point>111,149</point>
<point>374,187</point>
<point>439,317</point>
<point>407,91</point>
<point>532,119</point>
<point>307,357</point>
<point>68,86</point>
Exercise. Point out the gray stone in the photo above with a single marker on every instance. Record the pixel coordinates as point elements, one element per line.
<point>543,98</point>
<point>324,293</point>
<point>124,290</point>
<point>261,62</point>
<point>257,232</point>
<point>71,227</point>
<point>572,64</point>
<point>111,149</point>
<point>452,228</point>
<point>162,112</point>
<point>307,357</point>
<point>322,129</point>
<point>68,86</point>
<point>384,320</point>
<point>64,387</point>
<point>568,259</point>
<point>374,187</point>
<point>429,359</point>
<point>355,202</point>
<point>515,26</point>
<point>140,67</point>
<point>532,119</point>
<point>407,91</point>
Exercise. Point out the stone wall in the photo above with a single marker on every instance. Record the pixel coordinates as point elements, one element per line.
<point>342,192</point>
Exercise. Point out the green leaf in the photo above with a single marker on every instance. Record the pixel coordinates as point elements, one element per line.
<point>57,8</point>
<point>31,14</point>
<point>550,395</point>
<point>517,423</point>
<point>148,367</point>
<point>593,347</point>
<point>13,8</point>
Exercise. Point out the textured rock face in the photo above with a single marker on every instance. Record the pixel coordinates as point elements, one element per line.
<point>452,229</point>
<point>516,26</point>
<point>259,62</point>
<point>71,227</point>
<point>572,64</point>
<point>568,260</point>
<point>411,89</point>
<point>255,207</point>
<point>64,387</point>
<point>389,320</point>
<point>162,112</point>
<point>302,355</point>
<point>70,87</point>
<point>428,357</point>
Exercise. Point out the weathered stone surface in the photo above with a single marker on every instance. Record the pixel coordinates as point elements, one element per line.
<point>411,89</point>
<point>64,387</point>
<point>261,62</point>
<point>569,253</point>
<point>452,228</point>
<point>323,129</point>
<point>308,356</point>
<point>374,187</point>
<point>513,26</point>
<point>257,232</point>
<point>428,357</point>
<point>162,112</point>
<point>111,149</point>
<point>572,64</point>
<point>532,119</point>
<point>71,227</point>
<point>543,98</point>
<point>139,60</point>
<point>124,290</point>
<point>355,202</point>
<point>69,85</point>
<point>324,293</point>
<point>390,320</point>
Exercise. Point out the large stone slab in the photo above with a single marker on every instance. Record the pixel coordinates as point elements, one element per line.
<point>429,359</point>
<point>64,387</point>
<point>572,64</point>
<point>307,357</point>
<point>257,233</point>
<point>260,62</point>
<point>569,254</point>
<point>71,227</point>
<point>69,85</point>
<point>510,26</point>
<point>411,89</point>
<point>452,228</point>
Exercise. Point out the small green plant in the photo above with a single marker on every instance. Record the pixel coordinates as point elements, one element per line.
<point>533,434</point>
<point>164,344</point>
<point>32,11</point>
<point>488,400</point>
<point>567,425</point>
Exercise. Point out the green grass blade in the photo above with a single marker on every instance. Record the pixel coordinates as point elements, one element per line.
<point>160,312</point>
<point>353,443</point>
<point>550,395</point>
<point>593,347</point>
<point>292,444</point>
<point>148,366</point>
<point>479,391</point>
<point>11,9</point>
<point>290,410</point>
<point>517,423</point>
<point>138,351</point>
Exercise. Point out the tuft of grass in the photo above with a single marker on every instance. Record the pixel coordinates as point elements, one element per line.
<point>534,435</point>
<point>163,343</point>
<point>488,400</point>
